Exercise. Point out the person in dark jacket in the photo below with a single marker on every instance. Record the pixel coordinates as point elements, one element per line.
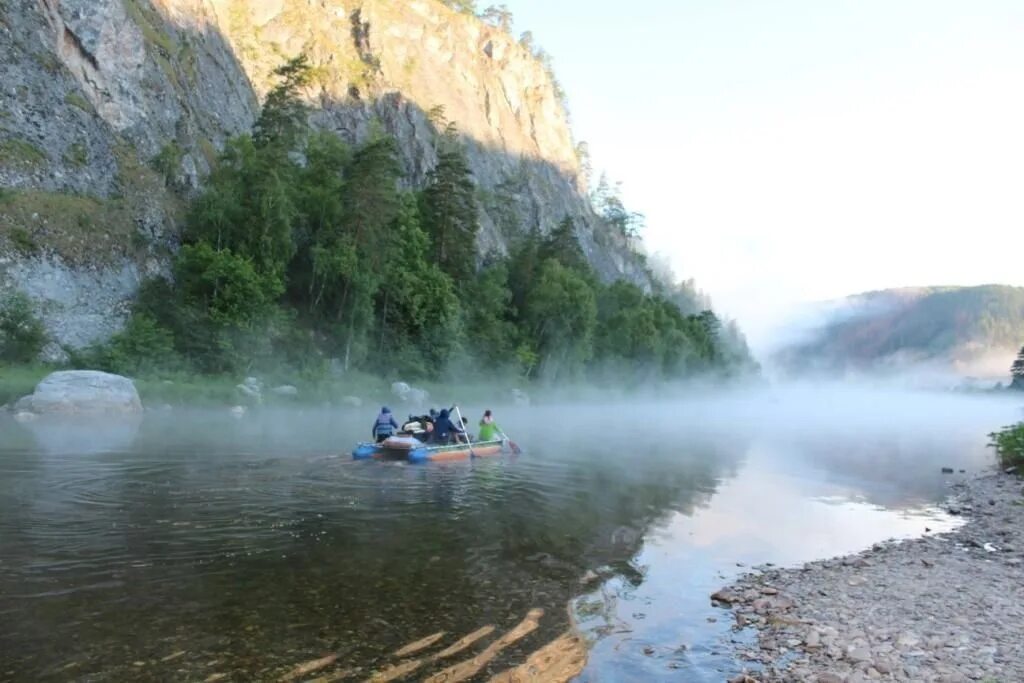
<point>444,428</point>
<point>385,425</point>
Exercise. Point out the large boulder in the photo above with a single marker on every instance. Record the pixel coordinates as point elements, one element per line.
<point>407,394</point>
<point>82,392</point>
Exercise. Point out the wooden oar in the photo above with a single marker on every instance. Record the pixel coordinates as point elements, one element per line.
<point>511,444</point>
<point>464,433</point>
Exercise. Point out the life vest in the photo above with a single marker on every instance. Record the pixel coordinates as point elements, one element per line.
<point>384,427</point>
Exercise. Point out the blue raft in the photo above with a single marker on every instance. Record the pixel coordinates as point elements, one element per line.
<point>414,450</point>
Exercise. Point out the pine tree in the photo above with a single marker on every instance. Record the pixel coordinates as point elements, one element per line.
<point>563,246</point>
<point>283,118</point>
<point>1017,371</point>
<point>449,211</point>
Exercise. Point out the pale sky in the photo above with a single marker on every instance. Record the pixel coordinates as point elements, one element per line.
<point>788,151</point>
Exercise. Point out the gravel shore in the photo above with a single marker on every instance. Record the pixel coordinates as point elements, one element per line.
<point>943,608</point>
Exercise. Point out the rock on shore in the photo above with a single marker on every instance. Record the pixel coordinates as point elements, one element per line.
<point>81,392</point>
<point>942,609</point>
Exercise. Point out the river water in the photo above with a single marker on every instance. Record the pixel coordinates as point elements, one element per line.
<point>195,546</point>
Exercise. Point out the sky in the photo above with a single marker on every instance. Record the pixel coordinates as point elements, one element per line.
<point>787,152</point>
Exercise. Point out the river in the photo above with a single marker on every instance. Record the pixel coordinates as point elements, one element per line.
<point>191,545</point>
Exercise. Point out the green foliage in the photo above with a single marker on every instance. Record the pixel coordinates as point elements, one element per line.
<point>77,155</point>
<point>419,312</point>
<point>498,16</point>
<point>143,346</point>
<point>20,153</point>
<point>167,162</point>
<point>449,210</point>
<point>248,206</point>
<point>490,329</point>
<point>22,240</point>
<point>224,285</point>
<point>22,334</point>
<point>563,246</point>
<point>77,100</point>
<point>283,118</point>
<point>1009,445</point>
<point>20,380</point>
<point>151,25</point>
<point>302,249</point>
<point>1017,370</point>
<point>464,6</point>
<point>560,316</point>
<point>925,322</point>
<point>607,201</point>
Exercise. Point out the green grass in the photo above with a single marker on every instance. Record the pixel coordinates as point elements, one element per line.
<point>48,61</point>
<point>77,155</point>
<point>77,100</point>
<point>22,240</point>
<point>151,25</point>
<point>20,153</point>
<point>81,229</point>
<point>209,152</point>
<point>20,380</point>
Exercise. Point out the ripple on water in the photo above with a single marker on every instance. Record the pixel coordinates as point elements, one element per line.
<point>228,542</point>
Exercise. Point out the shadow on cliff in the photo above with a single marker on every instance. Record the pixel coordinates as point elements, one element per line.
<point>516,193</point>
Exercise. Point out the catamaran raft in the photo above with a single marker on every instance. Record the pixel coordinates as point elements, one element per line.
<point>412,449</point>
<point>417,442</point>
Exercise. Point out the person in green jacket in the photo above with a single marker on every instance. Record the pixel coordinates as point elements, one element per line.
<point>489,430</point>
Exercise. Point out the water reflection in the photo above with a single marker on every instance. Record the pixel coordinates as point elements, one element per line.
<point>200,544</point>
<point>253,546</point>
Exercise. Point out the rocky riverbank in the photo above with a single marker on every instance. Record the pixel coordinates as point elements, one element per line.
<point>943,608</point>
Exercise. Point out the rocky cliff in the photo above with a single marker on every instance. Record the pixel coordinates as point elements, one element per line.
<point>112,113</point>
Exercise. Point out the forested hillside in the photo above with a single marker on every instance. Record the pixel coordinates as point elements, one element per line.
<point>973,330</point>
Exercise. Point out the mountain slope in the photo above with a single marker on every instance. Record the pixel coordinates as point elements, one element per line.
<point>968,330</point>
<point>113,112</point>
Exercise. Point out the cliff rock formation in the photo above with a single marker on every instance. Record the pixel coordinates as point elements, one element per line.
<point>112,113</point>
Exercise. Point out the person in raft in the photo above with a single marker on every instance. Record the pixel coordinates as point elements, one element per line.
<point>445,429</point>
<point>489,429</point>
<point>385,425</point>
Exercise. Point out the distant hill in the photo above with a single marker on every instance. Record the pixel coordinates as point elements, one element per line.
<point>968,331</point>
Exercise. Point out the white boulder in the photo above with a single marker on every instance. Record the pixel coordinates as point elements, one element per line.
<point>82,391</point>
<point>285,390</point>
<point>408,394</point>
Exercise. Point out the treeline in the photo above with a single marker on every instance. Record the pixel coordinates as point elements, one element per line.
<point>303,249</point>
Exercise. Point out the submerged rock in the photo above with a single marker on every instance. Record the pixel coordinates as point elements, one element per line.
<point>82,391</point>
<point>285,390</point>
<point>251,388</point>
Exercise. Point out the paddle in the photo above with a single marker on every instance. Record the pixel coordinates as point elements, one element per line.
<point>511,444</point>
<point>462,426</point>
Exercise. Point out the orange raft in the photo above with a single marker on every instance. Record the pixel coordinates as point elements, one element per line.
<point>414,450</point>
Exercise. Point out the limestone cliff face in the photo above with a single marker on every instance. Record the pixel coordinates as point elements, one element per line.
<point>94,90</point>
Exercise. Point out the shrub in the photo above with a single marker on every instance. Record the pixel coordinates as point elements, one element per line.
<point>22,334</point>
<point>142,346</point>
<point>1009,445</point>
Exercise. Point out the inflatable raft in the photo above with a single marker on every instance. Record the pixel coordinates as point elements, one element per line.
<point>412,449</point>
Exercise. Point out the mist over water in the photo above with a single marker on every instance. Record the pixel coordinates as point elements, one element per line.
<point>252,544</point>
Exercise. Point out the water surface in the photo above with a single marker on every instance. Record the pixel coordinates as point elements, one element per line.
<point>188,544</point>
